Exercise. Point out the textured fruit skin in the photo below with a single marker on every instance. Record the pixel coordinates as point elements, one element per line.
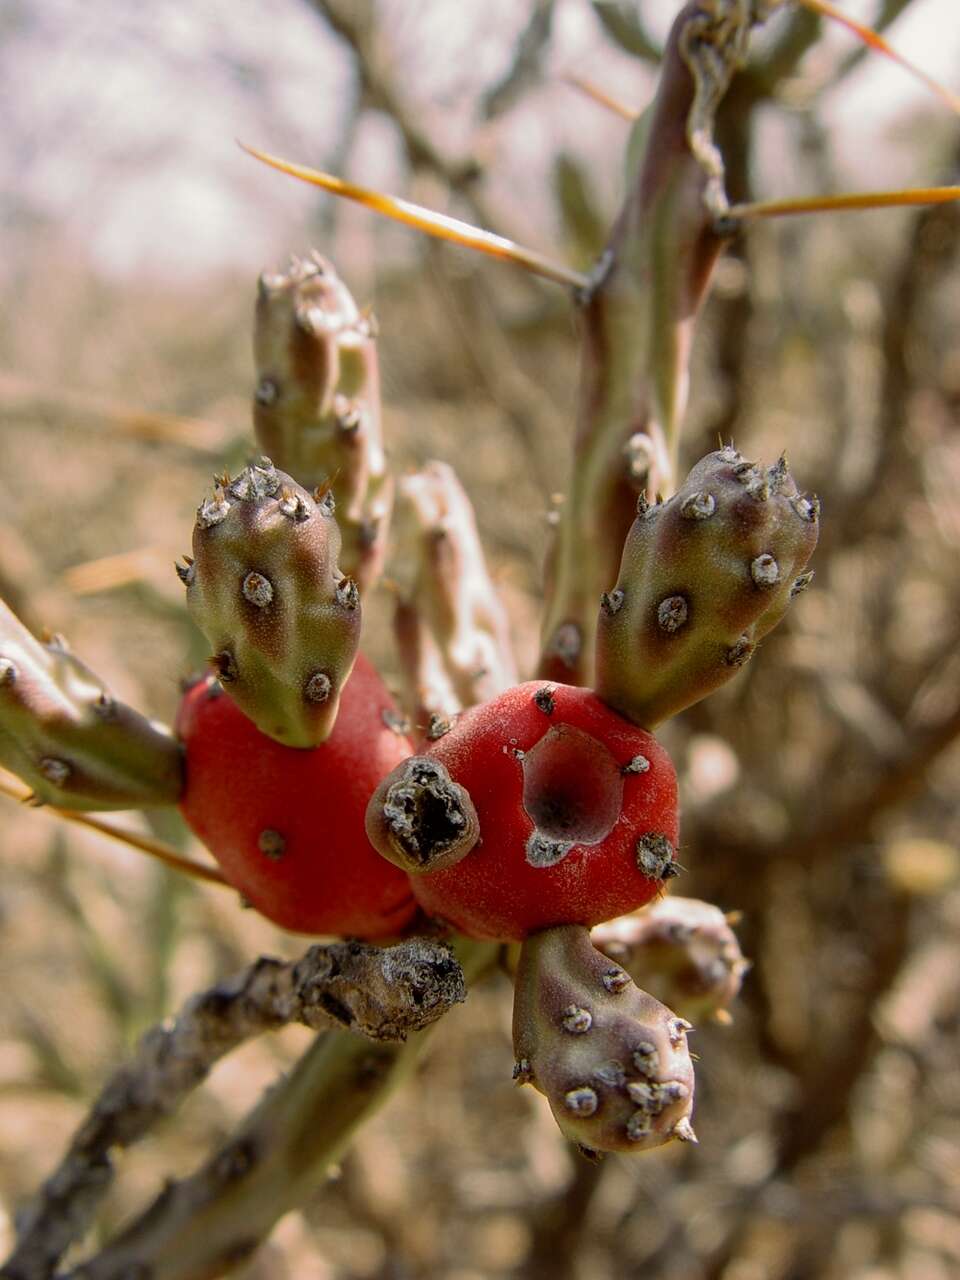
<point>494,892</point>
<point>327,878</point>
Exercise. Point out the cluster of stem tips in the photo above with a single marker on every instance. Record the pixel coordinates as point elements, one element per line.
<point>482,810</point>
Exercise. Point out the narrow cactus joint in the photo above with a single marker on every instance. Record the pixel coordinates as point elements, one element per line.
<point>700,591</point>
<point>638,319</point>
<point>65,735</point>
<point>317,406</point>
<point>683,951</point>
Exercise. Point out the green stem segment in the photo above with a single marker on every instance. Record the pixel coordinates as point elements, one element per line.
<point>638,323</point>
<point>317,403</point>
<point>68,738</point>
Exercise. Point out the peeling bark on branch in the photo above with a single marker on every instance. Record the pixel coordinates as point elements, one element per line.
<point>384,994</point>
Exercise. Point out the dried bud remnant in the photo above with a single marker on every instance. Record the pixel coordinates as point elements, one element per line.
<point>420,819</point>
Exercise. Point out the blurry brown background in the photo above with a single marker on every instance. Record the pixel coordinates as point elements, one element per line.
<point>819,787</point>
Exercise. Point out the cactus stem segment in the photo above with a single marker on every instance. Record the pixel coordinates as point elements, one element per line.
<point>683,950</point>
<point>699,590</point>
<point>285,631</point>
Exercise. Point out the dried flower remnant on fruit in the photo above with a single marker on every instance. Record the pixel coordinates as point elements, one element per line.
<point>420,819</point>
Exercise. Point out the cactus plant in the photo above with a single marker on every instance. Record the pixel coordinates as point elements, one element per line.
<point>495,811</point>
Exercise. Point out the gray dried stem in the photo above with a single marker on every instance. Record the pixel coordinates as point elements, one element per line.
<point>201,1227</point>
<point>384,994</point>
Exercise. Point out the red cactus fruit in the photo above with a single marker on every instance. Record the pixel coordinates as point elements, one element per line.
<point>577,812</point>
<point>286,825</point>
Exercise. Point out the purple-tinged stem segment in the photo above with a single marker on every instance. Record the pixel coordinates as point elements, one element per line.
<point>452,629</point>
<point>683,950</point>
<point>611,1060</point>
<point>317,402</point>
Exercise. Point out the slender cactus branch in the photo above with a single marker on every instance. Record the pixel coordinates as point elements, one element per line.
<point>382,994</point>
<point>453,633</point>
<point>637,329</point>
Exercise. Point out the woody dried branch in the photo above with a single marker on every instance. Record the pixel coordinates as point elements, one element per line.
<point>218,1217</point>
<point>384,995</point>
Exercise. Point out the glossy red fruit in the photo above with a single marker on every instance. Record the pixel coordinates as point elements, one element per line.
<point>287,825</point>
<point>577,811</point>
